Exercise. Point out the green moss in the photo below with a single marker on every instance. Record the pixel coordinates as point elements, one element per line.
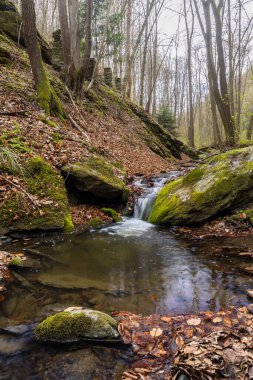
<point>13,140</point>
<point>112,214</point>
<point>95,222</point>
<point>47,121</point>
<point>68,223</point>
<point>244,143</point>
<point>10,24</point>
<point>47,98</point>
<point>115,98</point>
<point>243,217</point>
<point>96,101</point>
<point>72,326</point>
<point>224,182</point>
<point>195,175</point>
<point>5,56</point>
<point>97,167</point>
<point>16,262</point>
<point>40,180</point>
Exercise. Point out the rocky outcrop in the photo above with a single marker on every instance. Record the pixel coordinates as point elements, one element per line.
<point>166,145</point>
<point>75,324</point>
<point>35,197</point>
<point>96,179</point>
<point>11,25</point>
<point>223,184</point>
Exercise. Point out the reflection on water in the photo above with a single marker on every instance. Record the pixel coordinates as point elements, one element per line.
<point>130,266</point>
<point>138,267</point>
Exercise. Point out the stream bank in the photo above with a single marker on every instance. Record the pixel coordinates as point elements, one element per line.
<point>131,265</point>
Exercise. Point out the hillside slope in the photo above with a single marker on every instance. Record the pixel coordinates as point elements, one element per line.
<point>108,124</point>
<point>103,125</point>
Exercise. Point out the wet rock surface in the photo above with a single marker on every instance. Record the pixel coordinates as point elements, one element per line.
<point>75,324</point>
<point>222,184</point>
<point>95,178</point>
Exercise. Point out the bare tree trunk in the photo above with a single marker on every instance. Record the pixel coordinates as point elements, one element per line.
<point>128,79</point>
<point>47,99</point>
<point>144,60</point>
<point>65,36</point>
<point>74,32</point>
<point>189,34</point>
<point>88,48</point>
<point>250,128</point>
<point>222,98</point>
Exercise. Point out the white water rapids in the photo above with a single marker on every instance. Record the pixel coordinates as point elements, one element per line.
<point>138,225</point>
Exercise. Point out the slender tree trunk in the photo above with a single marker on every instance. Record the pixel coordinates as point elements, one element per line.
<point>74,32</point>
<point>189,33</point>
<point>250,128</point>
<point>88,48</point>
<point>128,79</point>
<point>47,99</point>
<point>144,60</point>
<point>65,36</point>
<point>220,89</point>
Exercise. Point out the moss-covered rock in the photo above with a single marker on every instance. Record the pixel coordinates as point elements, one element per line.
<point>112,214</point>
<point>10,23</point>
<point>16,261</point>
<point>5,56</point>
<point>224,183</point>
<point>74,324</point>
<point>96,178</point>
<point>95,222</point>
<point>39,202</point>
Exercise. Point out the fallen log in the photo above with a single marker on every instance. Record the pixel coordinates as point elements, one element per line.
<point>210,345</point>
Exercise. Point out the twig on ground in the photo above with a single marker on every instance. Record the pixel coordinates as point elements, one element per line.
<point>81,116</point>
<point>13,113</point>
<point>21,189</point>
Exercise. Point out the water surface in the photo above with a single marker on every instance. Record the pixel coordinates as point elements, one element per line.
<point>131,266</point>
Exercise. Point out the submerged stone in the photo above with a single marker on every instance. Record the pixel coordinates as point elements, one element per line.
<point>65,280</point>
<point>96,178</point>
<point>75,324</point>
<point>224,183</point>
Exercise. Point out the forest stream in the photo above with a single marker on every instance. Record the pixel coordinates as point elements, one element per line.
<point>131,265</point>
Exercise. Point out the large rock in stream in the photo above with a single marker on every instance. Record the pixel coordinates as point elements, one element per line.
<point>75,324</point>
<point>97,179</point>
<point>224,183</point>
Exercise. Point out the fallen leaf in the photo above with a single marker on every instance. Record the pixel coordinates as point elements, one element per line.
<point>155,333</point>
<point>217,320</point>
<point>194,321</point>
<point>166,319</point>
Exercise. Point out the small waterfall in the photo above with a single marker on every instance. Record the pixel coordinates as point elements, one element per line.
<point>145,203</point>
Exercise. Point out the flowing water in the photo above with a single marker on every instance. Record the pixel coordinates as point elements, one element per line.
<point>131,265</point>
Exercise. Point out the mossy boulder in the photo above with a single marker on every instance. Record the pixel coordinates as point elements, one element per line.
<point>223,183</point>
<point>96,179</point>
<point>112,214</point>
<point>75,324</point>
<point>5,56</point>
<point>38,202</point>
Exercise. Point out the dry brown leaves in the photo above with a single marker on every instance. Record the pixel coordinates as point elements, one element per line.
<point>83,214</point>
<point>205,346</point>
<point>5,276</point>
<point>217,228</point>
